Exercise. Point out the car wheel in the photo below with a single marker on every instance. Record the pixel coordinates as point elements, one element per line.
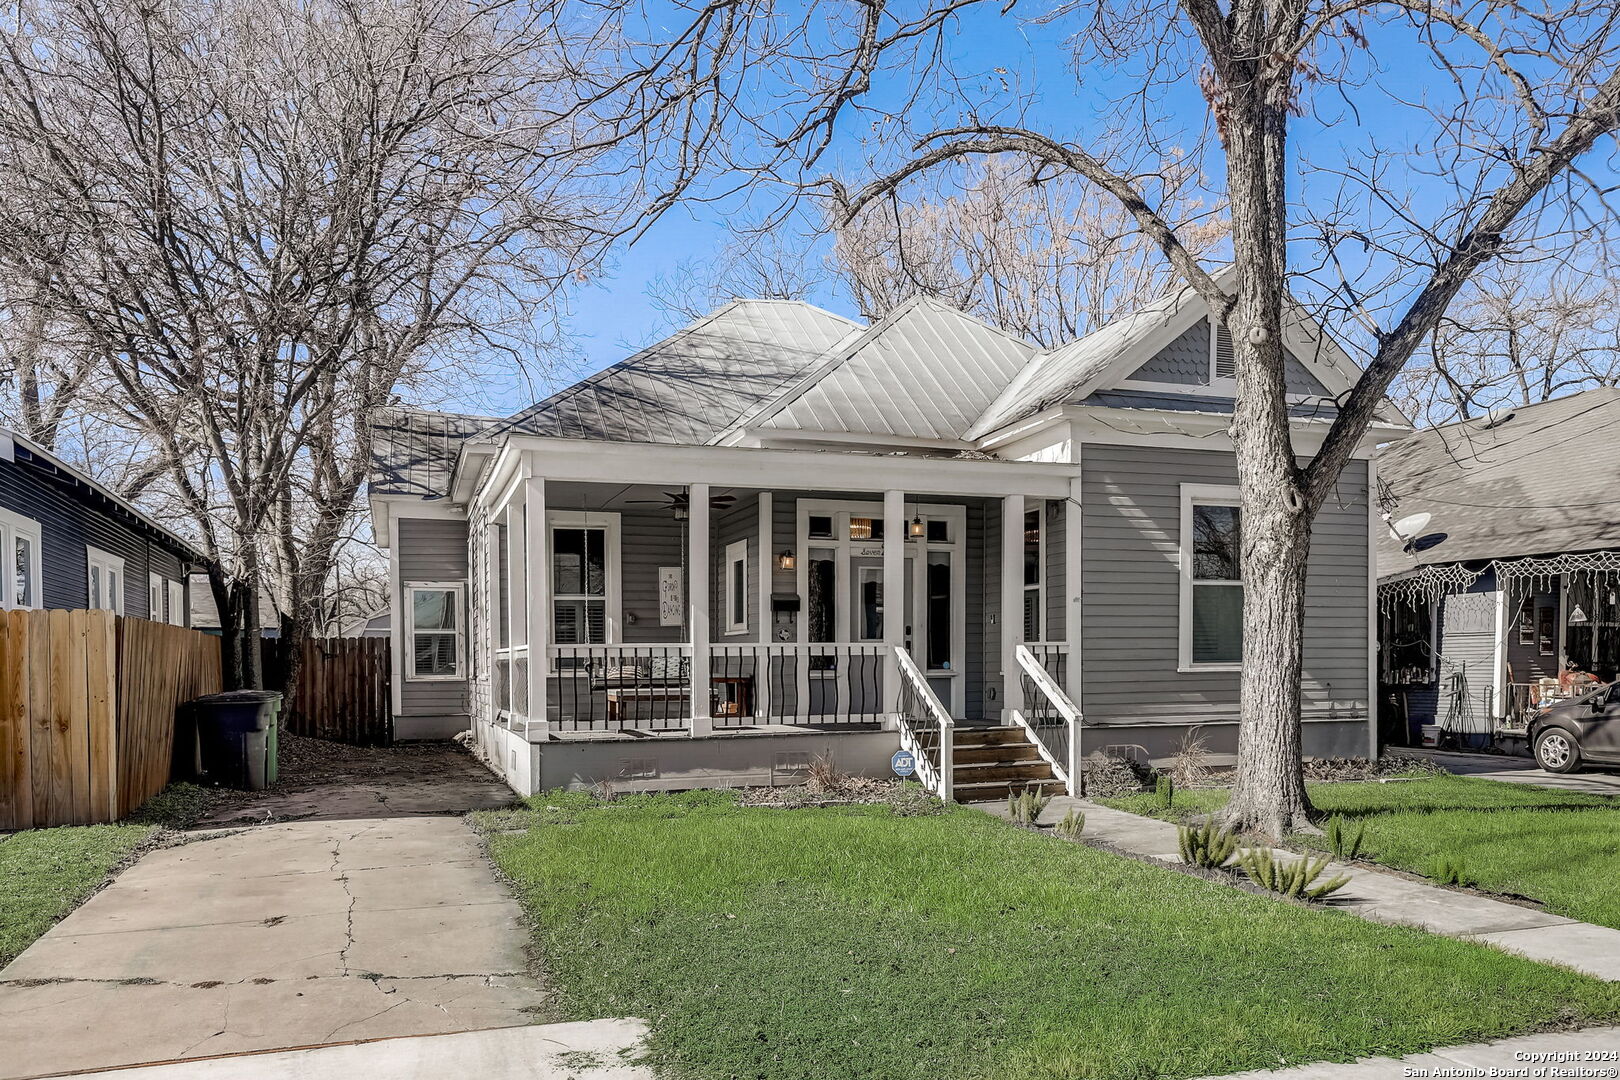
<point>1556,751</point>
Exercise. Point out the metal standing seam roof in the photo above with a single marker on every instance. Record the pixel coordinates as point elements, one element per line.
<point>924,371</point>
<point>694,384</point>
<point>1537,480</point>
<point>413,451</point>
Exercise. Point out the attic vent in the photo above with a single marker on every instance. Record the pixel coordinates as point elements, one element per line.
<point>1222,364</point>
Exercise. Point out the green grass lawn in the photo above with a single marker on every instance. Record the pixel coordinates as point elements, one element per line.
<point>857,942</point>
<point>45,873</point>
<point>1558,848</point>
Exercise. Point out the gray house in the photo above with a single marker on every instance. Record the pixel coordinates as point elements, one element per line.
<point>1499,568</point>
<point>69,543</point>
<point>779,534</point>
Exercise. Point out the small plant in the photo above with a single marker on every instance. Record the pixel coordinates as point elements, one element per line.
<point>1451,871</point>
<point>1341,841</point>
<point>823,777</point>
<point>1165,792</point>
<point>1296,880</point>
<point>1072,825</point>
<point>1206,845</point>
<point>1189,767</point>
<point>1025,807</point>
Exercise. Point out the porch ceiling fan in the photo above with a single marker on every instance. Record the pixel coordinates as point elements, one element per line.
<point>679,502</point>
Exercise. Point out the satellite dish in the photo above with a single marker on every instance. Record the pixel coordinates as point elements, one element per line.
<point>1411,527</point>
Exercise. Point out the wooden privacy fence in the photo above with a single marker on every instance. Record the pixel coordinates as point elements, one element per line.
<point>87,707</point>
<point>343,692</point>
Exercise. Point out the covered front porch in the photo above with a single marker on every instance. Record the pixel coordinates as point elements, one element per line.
<point>789,593</point>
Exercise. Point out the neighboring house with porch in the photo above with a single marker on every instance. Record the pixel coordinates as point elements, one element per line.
<point>67,542</point>
<point>1499,567</point>
<point>779,533</point>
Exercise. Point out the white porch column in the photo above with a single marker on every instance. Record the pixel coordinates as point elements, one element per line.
<point>1012,603</point>
<point>1073,580</point>
<point>895,613</point>
<point>697,605</point>
<point>762,609</point>
<point>537,604</point>
<point>516,616</point>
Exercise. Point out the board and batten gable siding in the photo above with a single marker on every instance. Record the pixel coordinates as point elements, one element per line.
<point>1131,593</point>
<point>430,549</point>
<point>69,525</point>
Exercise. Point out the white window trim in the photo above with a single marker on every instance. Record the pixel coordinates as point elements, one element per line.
<point>586,519</point>
<point>736,561</point>
<point>1038,507</point>
<point>106,561</point>
<point>409,620</point>
<point>176,592</point>
<point>1194,495</point>
<point>14,525</point>
<point>155,582</point>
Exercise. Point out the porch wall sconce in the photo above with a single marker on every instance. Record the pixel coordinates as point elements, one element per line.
<point>786,561</point>
<point>916,529</point>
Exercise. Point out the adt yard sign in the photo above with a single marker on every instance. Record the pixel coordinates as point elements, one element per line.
<point>904,763</point>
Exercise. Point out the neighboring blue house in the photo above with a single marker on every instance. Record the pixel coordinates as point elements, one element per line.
<point>68,542</point>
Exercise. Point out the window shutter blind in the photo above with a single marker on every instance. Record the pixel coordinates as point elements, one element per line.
<point>1222,362</point>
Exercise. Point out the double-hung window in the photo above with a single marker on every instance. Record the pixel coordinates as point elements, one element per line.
<point>106,572</point>
<point>584,577</point>
<point>737,587</point>
<point>177,602</point>
<point>1211,578</point>
<point>435,630</point>
<point>19,561</point>
<point>156,594</point>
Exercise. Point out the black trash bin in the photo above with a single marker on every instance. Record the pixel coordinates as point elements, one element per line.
<point>234,737</point>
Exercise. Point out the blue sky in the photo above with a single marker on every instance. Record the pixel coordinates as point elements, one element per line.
<point>613,314</point>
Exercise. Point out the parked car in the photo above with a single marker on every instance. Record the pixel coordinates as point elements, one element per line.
<point>1586,728</point>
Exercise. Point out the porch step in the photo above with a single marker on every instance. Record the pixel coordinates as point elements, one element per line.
<point>970,737</point>
<point>970,793</point>
<point>994,754</point>
<point>1002,773</point>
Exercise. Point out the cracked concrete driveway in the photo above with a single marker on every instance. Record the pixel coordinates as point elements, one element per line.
<point>285,935</point>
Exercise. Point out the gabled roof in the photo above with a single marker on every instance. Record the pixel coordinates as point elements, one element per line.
<point>413,451</point>
<point>694,384</point>
<point>924,371</point>
<point>1536,480</point>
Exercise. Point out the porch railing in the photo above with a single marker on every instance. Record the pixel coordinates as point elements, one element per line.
<point>823,685</point>
<point>926,727</point>
<point>615,687</point>
<point>648,687</point>
<point>1052,720</point>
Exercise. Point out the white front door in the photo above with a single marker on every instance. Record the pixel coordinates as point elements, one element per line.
<point>841,581</point>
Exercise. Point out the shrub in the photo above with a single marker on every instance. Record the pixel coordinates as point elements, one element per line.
<point>1450,870</point>
<point>1206,845</point>
<point>1297,879</point>
<point>1025,807</point>
<point>1344,843</point>
<point>1190,766</point>
<point>1072,825</point>
<point>1165,791</point>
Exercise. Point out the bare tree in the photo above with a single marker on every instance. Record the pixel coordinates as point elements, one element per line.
<point>1458,133</point>
<point>286,212</point>
<point>1046,259</point>
<point>1521,333</point>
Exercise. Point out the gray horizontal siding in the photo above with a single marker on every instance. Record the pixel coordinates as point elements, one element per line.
<point>430,549</point>
<point>69,524</point>
<point>1131,593</point>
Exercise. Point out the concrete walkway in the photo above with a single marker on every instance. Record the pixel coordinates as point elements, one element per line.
<point>276,936</point>
<point>1519,770</point>
<point>1528,1052</point>
<point>588,1050</point>
<point>1388,898</point>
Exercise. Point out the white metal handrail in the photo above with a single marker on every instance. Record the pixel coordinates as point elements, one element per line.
<point>927,736</point>
<point>1062,753</point>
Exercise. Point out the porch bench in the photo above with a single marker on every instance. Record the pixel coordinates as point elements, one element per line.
<point>618,698</point>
